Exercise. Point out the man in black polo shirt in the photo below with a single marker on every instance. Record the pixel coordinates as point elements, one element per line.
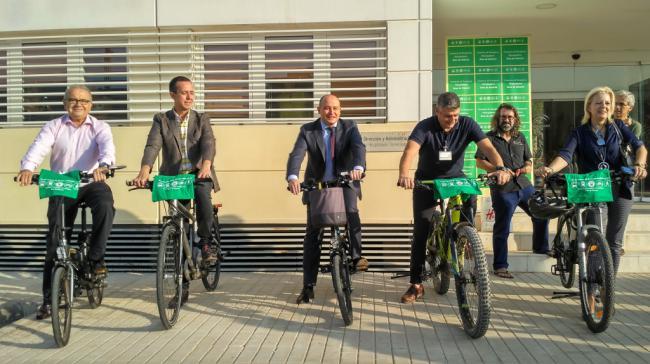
<point>517,159</point>
<point>440,141</point>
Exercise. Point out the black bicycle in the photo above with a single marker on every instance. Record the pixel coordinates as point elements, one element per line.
<point>581,244</point>
<point>72,272</point>
<point>178,260</point>
<point>340,264</point>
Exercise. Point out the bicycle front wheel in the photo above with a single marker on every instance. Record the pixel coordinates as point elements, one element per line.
<point>342,285</point>
<point>597,288</point>
<point>472,283</point>
<point>212,271</point>
<point>61,305</point>
<point>168,276</point>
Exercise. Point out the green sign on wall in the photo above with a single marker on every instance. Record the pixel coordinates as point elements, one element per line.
<point>485,72</point>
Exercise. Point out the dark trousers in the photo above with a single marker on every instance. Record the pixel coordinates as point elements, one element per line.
<point>313,237</point>
<point>504,204</point>
<point>99,198</point>
<point>423,206</point>
<point>204,215</point>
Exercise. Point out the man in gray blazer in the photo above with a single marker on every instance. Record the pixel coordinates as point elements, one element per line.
<point>188,146</point>
<point>325,164</point>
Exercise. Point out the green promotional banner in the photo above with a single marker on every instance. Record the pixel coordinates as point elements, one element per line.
<point>589,187</point>
<point>445,188</point>
<point>486,72</point>
<point>180,187</point>
<point>55,184</point>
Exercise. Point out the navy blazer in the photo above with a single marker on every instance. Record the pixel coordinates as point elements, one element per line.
<point>349,151</point>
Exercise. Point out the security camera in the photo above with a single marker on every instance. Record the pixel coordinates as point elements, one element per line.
<point>575,56</point>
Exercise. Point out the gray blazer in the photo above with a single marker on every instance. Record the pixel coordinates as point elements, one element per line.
<point>166,134</point>
<point>349,151</point>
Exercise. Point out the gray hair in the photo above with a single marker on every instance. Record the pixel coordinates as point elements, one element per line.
<point>448,100</point>
<point>76,87</point>
<point>627,96</point>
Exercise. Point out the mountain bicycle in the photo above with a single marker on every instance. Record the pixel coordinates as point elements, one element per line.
<point>179,259</point>
<point>72,272</point>
<point>581,244</point>
<point>454,248</point>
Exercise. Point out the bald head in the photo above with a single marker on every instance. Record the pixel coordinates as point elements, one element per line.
<point>329,108</point>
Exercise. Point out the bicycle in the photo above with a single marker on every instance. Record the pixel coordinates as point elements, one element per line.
<point>340,264</point>
<point>454,247</point>
<point>72,272</point>
<point>178,260</point>
<point>584,245</point>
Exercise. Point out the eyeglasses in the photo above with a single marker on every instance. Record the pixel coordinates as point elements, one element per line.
<point>509,117</point>
<point>83,102</point>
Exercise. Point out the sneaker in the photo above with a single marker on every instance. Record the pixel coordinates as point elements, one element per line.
<point>44,311</point>
<point>361,264</point>
<point>206,251</point>
<point>414,292</point>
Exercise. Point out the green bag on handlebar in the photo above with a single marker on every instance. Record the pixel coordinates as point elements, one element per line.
<point>589,187</point>
<point>57,184</point>
<point>445,188</point>
<point>180,187</point>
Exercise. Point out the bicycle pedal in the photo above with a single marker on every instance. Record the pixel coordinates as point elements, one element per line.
<point>554,270</point>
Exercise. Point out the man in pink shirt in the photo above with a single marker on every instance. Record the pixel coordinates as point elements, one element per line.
<point>76,141</point>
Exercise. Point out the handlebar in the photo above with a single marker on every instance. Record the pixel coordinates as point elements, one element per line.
<point>149,184</point>
<point>617,176</point>
<point>84,177</point>
<point>485,179</point>
<point>342,180</point>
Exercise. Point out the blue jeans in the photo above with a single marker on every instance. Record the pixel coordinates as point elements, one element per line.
<point>504,204</point>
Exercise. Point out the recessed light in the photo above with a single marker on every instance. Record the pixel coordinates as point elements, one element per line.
<point>545,6</point>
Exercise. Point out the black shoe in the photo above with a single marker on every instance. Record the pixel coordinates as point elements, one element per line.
<point>207,255</point>
<point>305,295</point>
<point>184,297</point>
<point>44,311</point>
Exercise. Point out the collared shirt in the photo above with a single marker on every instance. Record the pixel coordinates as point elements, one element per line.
<point>583,142</point>
<point>183,124</point>
<point>80,148</point>
<point>432,139</point>
<point>514,153</point>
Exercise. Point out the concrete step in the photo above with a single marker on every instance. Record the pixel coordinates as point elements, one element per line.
<point>635,223</point>
<point>523,241</point>
<point>538,263</point>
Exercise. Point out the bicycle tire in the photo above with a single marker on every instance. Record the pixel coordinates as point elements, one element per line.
<point>599,270</point>
<point>61,305</point>
<point>440,272</point>
<point>564,256</point>
<point>210,274</point>
<point>473,283</point>
<point>342,285</point>
<point>168,276</point>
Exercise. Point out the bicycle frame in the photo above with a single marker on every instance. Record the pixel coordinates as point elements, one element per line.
<point>178,214</point>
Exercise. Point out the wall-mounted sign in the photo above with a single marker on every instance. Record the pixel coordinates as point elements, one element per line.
<point>485,72</point>
<point>393,141</point>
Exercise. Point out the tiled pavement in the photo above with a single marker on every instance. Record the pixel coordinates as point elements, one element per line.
<point>252,317</point>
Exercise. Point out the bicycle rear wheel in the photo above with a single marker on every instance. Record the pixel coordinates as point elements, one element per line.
<point>342,285</point>
<point>472,283</point>
<point>597,290</point>
<point>168,276</point>
<point>61,305</point>
<point>212,271</point>
<point>564,252</point>
<point>439,267</point>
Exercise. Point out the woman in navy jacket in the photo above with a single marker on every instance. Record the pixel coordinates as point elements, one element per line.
<point>596,145</point>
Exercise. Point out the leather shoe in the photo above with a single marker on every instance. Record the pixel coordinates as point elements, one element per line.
<point>44,311</point>
<point>305,295</point>
<point>184,297</point>
<point>361,264</point>
<point>414,292</point>
<point>206,251</point>
<point>99,268</point>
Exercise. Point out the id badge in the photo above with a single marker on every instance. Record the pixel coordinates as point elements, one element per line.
<point>444,155</point>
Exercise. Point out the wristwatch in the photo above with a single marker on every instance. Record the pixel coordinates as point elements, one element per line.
<point>103,164</point>
<point>500,168</point>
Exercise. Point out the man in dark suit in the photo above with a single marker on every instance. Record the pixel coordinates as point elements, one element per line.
<point>325,163</point>
<point>188,146</point>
